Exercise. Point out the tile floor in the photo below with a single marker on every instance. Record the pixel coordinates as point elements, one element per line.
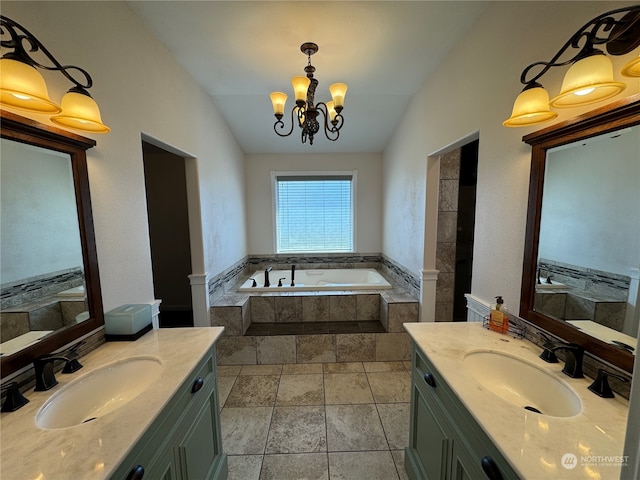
<point>320,421</point>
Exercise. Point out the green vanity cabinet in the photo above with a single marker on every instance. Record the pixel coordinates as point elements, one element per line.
<point>445,441</point>
<point>184,442</point>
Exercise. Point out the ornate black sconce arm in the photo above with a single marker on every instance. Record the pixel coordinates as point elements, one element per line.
<point>621,35</point>
<point>20,38</point>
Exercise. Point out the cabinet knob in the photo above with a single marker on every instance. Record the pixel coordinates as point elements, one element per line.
<point>197,385</point>
<point>430,379</point>
<point>490,468</point>
<point>136,473</point>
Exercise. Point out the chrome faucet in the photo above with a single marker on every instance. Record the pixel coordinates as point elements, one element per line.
<point>266,277</point>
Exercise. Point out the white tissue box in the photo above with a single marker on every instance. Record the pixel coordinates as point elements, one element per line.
<point>127,322</point>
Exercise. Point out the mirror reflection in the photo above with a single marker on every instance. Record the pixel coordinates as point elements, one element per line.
<point>588,261</point>
<point>42,275</point>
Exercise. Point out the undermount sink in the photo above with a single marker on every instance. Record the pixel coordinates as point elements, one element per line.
<point>99,392</point>
<point>521,383</point>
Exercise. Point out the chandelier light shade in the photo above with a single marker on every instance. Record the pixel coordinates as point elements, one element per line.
<point>22,86</point>
<point>306,114</point>
<point>590,76</point>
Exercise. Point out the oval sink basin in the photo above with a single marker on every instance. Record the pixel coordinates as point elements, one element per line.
<point>99,392</point>
<point>522,383</point>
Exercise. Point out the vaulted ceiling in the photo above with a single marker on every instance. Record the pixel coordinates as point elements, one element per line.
<point>240,51</point>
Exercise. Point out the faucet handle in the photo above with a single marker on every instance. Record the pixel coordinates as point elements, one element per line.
<point>548,355</point>
<point>600,385</point>
<point>72,364</point>
<point>14,399</point>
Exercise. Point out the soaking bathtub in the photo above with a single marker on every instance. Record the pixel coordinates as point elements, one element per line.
<point>316,280</point>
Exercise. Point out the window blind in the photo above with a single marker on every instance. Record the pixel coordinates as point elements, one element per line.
<point>314,213</point>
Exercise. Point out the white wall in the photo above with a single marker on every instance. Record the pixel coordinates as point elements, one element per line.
<point>141,89</point>
<point>260,223</point>
<point>473,90</point>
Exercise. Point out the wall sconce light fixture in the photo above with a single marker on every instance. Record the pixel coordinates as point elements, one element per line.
<point>306,112</point>
<point>22,86</point>
<point>589,79</point>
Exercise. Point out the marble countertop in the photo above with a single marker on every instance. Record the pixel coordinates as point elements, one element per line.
<point>533,444</point>
<point>93,450</point>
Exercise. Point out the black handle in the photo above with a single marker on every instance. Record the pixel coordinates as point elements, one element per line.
<point>197,385</point>
<point>430,379</point>
<point>490,468</point>
<point>136,473</point>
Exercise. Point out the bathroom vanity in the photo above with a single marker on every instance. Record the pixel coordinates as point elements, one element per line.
<point>469,422</point>
<point>162,425</point>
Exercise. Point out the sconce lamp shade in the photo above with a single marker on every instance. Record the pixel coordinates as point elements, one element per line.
<point>531,107</point>
<point>22,86</point>
<point>81,112</point>
<point>278,99</point>
<point>338,91</point>
<point>632,69</point>
<point>589,80</point>
<point>300,86</point>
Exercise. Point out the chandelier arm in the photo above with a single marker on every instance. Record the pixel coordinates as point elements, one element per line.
<point>280,124</point>
<point>20,53</point>
<point>334,128</point>
<point>604,22</point>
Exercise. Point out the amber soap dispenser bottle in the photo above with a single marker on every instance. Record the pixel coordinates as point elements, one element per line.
<point>498,318</point>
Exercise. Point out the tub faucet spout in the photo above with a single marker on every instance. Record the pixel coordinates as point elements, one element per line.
<point>266,277</point>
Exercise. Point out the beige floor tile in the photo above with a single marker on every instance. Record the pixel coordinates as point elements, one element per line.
<point>228,370</point>
<point>398,458</point>
<point>225,384</point>
<point>244,467</point>
<point>347,367</point>
<point>298,466</point>
<point>244,430</point>
<point>362,466</point>
<point>354,428</point>
<point>346,388</point>
<point>300,390</point>
<point>389,387</point>
<point>395,422</point>
<point>301,368</point>
<point>297,430</point>
<point>254,390</point>
<point>383,367</point>
<point>261,370</point>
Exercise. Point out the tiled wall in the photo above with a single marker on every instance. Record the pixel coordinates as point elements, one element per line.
<point>447,232</point>
<point>34,288</point>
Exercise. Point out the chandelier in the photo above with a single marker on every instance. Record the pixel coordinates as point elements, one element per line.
<point>309,116</point>
<point>589,78</point>
<point>23,87</point>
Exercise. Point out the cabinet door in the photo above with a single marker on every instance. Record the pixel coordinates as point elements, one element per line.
<point>463,465</point>
<point>199,451</point>
<point>429,442</point>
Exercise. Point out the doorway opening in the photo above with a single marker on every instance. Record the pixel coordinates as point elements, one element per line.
<point>456,222</point>
<point>168,216</point>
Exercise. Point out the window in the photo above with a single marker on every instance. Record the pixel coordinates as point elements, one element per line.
<point>314,212</point>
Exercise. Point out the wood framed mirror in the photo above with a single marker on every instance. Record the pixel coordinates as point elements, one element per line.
<point>557,292</point>
<point>50,281</point>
